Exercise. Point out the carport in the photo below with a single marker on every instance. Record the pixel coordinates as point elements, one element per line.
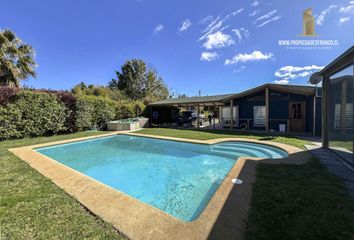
<point>167,107</point>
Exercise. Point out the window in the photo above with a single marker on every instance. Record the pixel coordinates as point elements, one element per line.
<point>259,116</point>
<point>296,111</point>
<point>348,116</point>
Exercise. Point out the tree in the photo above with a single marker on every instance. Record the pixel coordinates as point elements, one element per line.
<point>131,79</point>
<point>137,82</point>
<point>16,59</point>
<point>155,88</point>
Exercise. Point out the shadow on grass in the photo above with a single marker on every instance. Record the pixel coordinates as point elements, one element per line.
<point>287,202</point>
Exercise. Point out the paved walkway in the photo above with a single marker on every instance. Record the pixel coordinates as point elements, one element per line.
<point>334,165</point>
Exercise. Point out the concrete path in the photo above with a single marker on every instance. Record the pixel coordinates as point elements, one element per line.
<point>334,165</point>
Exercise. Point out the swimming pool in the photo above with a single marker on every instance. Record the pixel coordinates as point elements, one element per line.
<point>179,178</point>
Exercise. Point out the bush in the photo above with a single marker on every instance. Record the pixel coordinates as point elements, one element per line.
<point>92,112</point>
<point>32,114</point>
<point>125,110</point>
<point>7,94</point>
<point>140,107</point>
<point>84,112</point>
<point>69,101</point>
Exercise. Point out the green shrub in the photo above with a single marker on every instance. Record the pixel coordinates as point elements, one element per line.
<point>125,110</point>
<point>140,107</point>
<point>84,113</point>
<point>104,111</point>
<point>92,112</point>
<point>32,114</point>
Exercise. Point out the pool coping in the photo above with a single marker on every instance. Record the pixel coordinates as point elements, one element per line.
<point>136,219</point>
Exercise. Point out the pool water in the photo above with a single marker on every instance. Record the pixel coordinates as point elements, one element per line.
<point>177,177</point>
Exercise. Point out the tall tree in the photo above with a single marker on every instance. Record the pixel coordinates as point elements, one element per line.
<point>155,88</point>
<point>16,59</point>
<point>137,82</point>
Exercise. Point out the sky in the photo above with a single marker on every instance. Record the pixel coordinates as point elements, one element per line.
<point>215,47</point>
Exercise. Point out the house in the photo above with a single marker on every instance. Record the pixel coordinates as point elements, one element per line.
<point>337,104</point>
<point>270,107</point>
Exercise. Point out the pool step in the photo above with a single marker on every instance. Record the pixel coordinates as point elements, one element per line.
<point>245,149</point>
<point>234,150</point>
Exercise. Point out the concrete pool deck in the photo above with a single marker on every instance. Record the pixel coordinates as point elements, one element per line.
<point>224,217</point>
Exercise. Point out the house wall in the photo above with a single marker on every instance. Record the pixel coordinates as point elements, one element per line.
<point>246,105</point>
<point>278,109</point>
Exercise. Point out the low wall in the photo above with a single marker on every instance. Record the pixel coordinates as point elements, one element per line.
<point>127,124</point>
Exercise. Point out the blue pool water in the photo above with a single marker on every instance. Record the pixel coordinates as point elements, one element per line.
<point>177,177</point>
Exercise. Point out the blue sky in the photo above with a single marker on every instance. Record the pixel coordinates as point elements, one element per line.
<point>217,47</point>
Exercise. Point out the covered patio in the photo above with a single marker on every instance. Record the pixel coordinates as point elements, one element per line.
<point>165,111</point>
<point>269,107</point>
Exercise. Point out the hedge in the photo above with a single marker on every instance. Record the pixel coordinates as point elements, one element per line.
<point>32,114</point>
<point>93,112</point>
<point>29,113</point>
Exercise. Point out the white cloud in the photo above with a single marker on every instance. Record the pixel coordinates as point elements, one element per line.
<point>255,3</point>
<point>347,9</point>
<point>343,20</point>
<point>240,69</point>
<point>276,18</point>
<point>266,16</point>
<point>218,40</point>
<point>282,81</point>
<point>245,57</point>
<point>241,33</point>
<point>206,19</point>
<point>287,73</point>
<point>185,25</point>
<point>218,24</point>
<point>239,11</point>
<point>320,19</point>
<point>209,56</point>
<point>159,28</point>
<point>254,13</point>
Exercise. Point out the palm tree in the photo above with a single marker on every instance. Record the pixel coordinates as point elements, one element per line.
<point>16,59</point>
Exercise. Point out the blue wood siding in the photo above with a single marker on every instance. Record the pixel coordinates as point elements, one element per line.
<point>279,109</point>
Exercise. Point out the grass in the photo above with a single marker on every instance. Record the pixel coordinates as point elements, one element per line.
<point>31,207</point>
<point>212,134</point>
<point>288,201</point>
<point>343,144</point>
<point>299,202</point>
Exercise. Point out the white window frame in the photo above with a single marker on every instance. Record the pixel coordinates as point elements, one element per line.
<point>348,116</point>
<point>259,116</point>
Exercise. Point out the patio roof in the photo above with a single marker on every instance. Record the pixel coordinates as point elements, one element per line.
<point>339,63</point>
<point>192,101</point>
<point>296,89</point>
<point>219,100</point>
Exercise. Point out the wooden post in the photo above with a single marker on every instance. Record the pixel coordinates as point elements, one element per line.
<point>220,114</point>
<point>287,126</point>
<point>353,111</point>
<point>150,122</point>
<point>267,109</point>
<point>232,113</point>
<point>325,97</point>
<point>198,115</point>
<point>314,115</point>
<point>343,107</point>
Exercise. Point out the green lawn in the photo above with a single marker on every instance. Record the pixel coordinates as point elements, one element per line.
<point>343,144</point>
<point>31,207</point>
<point>288,202</point>
<point>299,202</point>
<point>212,134</point>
